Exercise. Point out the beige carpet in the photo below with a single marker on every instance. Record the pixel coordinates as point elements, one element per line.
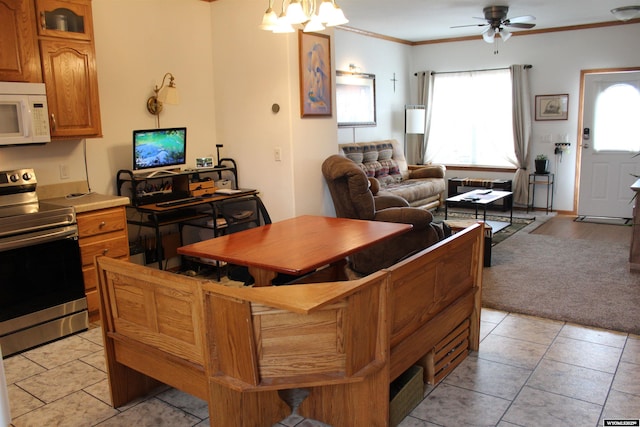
<point>580,281</point>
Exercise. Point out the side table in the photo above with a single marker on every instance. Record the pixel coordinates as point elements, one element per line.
<point>460,224</point>
<point>547,179</point>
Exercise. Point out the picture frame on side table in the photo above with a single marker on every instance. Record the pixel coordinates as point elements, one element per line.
<point>552,107</point>
<point>315,75</point>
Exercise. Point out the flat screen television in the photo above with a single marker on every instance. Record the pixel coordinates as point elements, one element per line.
<point>159,150</point>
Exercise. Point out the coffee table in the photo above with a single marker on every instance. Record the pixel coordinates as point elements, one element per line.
<point>482,198</point>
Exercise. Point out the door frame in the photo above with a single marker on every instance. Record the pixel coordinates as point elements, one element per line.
<point>583,74</point>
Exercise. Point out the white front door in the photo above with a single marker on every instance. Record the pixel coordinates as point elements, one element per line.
<point>610,140</point>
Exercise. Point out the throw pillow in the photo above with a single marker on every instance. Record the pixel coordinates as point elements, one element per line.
<point>370,153</point>
<point>385,151</point>
<point>354,152</point>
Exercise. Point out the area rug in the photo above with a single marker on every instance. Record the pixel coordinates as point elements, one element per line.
<point>517,224</point>
<point>586,282</point>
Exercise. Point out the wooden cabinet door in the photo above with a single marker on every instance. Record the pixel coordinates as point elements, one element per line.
<point>19,56</point>
<point>69,71</point>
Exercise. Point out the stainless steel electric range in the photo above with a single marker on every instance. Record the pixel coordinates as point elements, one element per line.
<point>41,286</point>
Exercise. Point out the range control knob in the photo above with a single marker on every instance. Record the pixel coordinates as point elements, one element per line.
<point>27,176</point>
<point>14,177</point>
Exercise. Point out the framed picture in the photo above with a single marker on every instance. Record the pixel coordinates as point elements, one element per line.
<point>552,107</point>
<point>355,99</point>
<point>315,74</point>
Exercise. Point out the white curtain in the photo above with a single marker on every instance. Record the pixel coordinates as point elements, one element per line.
<point>471,120</point>
<point>425,97</point>
<point>521,132</point>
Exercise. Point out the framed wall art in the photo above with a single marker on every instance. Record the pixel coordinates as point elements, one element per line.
<point>355,99</point>
<point>552,107</point>
<point>315,74</point>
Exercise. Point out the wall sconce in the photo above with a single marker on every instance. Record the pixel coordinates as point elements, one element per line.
<point>162,94</point>
<point>353,68</point>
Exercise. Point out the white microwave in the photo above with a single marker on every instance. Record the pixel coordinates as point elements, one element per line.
<point>24,115</point>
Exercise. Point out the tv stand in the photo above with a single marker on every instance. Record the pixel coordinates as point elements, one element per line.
<point>162,172</point>
<point>146,190</point>
<point>165,185</point>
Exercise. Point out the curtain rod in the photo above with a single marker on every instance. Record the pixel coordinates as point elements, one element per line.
<point>526,66</point>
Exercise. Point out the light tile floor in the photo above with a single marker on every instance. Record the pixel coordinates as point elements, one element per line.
<point>528,372</point>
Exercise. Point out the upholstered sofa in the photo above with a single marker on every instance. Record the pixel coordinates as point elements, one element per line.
<point>421,186</point>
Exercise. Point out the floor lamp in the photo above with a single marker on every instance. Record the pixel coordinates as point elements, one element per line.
<point>414,123</point>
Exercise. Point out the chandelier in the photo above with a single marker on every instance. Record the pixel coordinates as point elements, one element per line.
<point>303,12</point>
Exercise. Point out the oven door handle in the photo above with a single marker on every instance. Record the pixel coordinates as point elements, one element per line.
<point>38,237</point>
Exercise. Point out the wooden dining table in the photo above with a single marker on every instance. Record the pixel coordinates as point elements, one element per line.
<point>295,246</point>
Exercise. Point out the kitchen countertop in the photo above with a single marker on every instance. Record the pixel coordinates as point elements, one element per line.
<point>89,201</point>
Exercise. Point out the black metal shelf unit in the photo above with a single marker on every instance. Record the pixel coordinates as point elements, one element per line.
<point>144,189</point>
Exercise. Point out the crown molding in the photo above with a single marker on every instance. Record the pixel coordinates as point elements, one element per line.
<point>476,37</point>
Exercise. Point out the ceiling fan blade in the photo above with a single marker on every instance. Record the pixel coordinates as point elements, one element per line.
<point>519,25</point>
<point>520,19</point>
<point>469,25</point>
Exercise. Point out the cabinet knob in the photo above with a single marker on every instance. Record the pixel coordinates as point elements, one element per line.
<point>102,224</point>
<point>105,251</point>
<point>54,125</point>
<point>43,21</point>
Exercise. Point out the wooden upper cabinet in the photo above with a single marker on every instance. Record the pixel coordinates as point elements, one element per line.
<point>19,57</point>
<point>67,53</point>
<point>69,71</point>
<point>69,19</point>
<point>51,41</point>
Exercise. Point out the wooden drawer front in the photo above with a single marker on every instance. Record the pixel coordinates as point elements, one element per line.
<point>100,222</point>
<point>90,278</point>
<point>93,303</point>
<point>114,247</point>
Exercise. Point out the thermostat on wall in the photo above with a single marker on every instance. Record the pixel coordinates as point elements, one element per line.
<point>204,162</point>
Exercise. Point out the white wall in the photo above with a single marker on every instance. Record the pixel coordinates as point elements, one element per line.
<point>137,42</point>
<point>557,59</point>
<point>229,74</point>
<point>255,69</point>
<point>384,59</point>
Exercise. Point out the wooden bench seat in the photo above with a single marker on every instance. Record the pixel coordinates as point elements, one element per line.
<point>237,347</point>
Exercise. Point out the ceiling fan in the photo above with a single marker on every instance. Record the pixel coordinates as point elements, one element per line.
<point>497,23</point>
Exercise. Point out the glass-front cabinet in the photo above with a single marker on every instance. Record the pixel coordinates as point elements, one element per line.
<point>66,19</point>
<point>67,53</point>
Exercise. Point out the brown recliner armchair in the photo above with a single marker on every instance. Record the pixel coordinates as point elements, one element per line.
<point>353,198</point>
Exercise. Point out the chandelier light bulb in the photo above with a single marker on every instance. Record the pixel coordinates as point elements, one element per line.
<point>337,17</point>
<point>295,14</point>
